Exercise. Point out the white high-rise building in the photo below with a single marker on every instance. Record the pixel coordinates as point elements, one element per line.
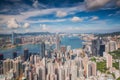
<point>42,73</point>
<point>74,72</point>
<point>91,69</point>
<point>108,60</point>
<point>7,65</point>
<point>61,73</point>
<point>17,67</point>
<point>111,46</point>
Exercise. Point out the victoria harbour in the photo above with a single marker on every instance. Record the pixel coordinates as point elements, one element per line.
<point>35,48</point>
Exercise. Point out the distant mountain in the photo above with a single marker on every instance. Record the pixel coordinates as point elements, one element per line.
<point>25,34</point>
<point>108,34</point>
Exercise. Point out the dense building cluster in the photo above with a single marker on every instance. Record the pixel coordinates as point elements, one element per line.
<point>64,63</point>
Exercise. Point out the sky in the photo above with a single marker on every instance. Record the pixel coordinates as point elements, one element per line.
<point>71,16</point>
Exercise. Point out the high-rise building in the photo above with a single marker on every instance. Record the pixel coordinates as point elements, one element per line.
<point>7,65</point>
<point>26,54</point>
<point>108,59</point>
<point>17,67</point>
<point>111,46</point>
<point>57,42</point>
<point>96,46</point>
<point>1,67</point>
<point>14,55</point>
<point>13,38</point>
<point>102,49</point>
<point>41,73</point>
<point>61,73</point>
<point>74,73</point>
<point>1,56</point>
<point>91,69</point>
<point>43,49</point>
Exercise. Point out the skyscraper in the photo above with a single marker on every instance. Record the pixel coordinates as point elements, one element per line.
<point>96,46</point>
<point>26,54</point>
<point>91,69</point>
<point>57,42</point>
<point>102,49</point>
<point>111,46</point>
<point>108,59</point>
<point>13,38</point>
<point>42,49</point>
<point>1,57</point>
<point>14,54</point>
<point>7,65</point>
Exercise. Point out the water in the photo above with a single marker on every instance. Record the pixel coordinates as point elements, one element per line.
<point>74,42</point>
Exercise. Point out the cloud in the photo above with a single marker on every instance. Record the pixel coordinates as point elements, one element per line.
<point>94,18</point>
<point>26,25</point>
<point>36,4</point>
<point>95,4</point>
<point>27,30</point>
<point>61,14</point>
<point>44,27</point>
<point>76,19</point>
<point>13,24</point>
<point>46,21</point>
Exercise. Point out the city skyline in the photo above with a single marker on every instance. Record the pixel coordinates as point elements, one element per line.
<point>59,16</point>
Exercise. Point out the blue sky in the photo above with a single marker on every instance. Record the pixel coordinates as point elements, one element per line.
<point>72,16</point>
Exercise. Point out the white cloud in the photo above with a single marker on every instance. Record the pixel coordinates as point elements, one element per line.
<point>46,20</point>
<point>94,18</point>
<point>26,25</point>
<point>13,24</point>
<point>76,19</point>
<point>44,27</point>
<point>35,3</point>
<point>25,15</point>
<point>61,13</point>
<point>27,30</point>
<point>94,4</point>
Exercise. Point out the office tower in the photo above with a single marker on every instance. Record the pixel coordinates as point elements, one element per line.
<point>26,54</point>
<point>26,72</point>
<point>50,68</point>
<point>1,56</point>
<point>1,67</point>
<point>91,69</point>
<point>13,38</point>
<point>111,46</point>
<point>85,61</point>
<point>32,59</point>
<point>42,49</point>
<point>61,73</point>
<point>14,55</point>
<point>17,67</point>
<point>30,75</point>
<point>96,46</point>
<point>41,73</point>
<point>74,73</point>
<point>57,42</point>
<point>102,49</point>
<point>108,60</point>
<point>7,65</point>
